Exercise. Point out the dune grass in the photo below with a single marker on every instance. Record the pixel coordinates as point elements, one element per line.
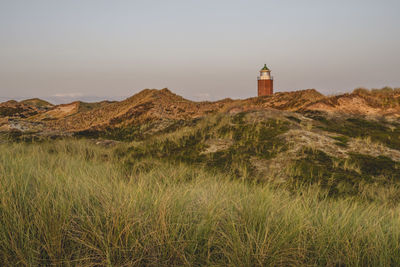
<point>71,203</point>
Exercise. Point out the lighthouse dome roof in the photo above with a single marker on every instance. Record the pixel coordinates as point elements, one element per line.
<point>265,68</point>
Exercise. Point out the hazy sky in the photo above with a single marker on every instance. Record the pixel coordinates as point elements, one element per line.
<point>199,49</point>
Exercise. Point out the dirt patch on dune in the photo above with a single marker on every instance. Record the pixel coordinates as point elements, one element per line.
<point>374,149</point>
<point>59,112</point>
<point>351,105</point>
<point>317,141</point>
<point>215,145</point>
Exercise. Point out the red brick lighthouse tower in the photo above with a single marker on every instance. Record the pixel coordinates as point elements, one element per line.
<point>265,82</point>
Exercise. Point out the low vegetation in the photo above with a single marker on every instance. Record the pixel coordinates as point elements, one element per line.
<point>72,202</point>
<point>9,111</point>
<point>240,139</point>
<point>349,176</point>
<point>246,144</point>
<point>377,131</point>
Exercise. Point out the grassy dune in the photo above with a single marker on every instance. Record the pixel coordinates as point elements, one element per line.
<point>72,202</point>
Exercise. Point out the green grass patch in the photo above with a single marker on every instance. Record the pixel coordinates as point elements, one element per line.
<point>258,139</point>
<point>342,140</point>
<point>344,176</point>
<point>316,167</point>
<point>377,166</point>
<point>357,127</point>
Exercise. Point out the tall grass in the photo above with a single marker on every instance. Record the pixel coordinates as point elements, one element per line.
<point>72,203</point>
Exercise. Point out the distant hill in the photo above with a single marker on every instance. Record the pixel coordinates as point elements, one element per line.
<point>65,110</point>
<point>147,105</point>
<point>152,105</point>
<point>37,102</point>
<point>361,101</point>
<point>22,109</point>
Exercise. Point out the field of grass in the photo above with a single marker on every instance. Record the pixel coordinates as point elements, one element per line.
<point>75,203</point>
<point>244,145</point>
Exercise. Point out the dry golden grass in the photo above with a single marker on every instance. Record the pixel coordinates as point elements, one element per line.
<point>74,203</point>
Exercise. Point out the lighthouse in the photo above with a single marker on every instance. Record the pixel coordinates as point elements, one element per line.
<point>265,82</point>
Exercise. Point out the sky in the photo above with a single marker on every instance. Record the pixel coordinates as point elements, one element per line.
<point>203,50</point>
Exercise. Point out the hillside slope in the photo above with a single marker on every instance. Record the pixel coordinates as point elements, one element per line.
<point>23,109</point>
<point>37,102</point>
<point>363,102</point>
<point>65,110</point>
<point>151,105</point>
<point>147,105</point>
